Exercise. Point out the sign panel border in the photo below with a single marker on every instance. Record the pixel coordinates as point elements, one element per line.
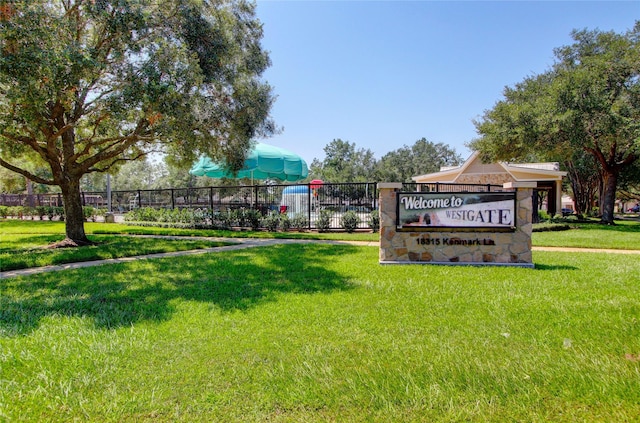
<point>447,207</point>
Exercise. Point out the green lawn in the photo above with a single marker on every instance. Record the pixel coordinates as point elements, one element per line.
<point>623,235</point>
<point>317,332</point>
<point>55,227</point>
<point>323,333</point>
<point>22,242</point>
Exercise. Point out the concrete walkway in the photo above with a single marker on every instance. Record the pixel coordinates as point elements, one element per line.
<point>242,243</point>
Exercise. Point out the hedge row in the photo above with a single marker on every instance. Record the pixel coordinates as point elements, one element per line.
<point>242,218</point>
<point>50,212</point>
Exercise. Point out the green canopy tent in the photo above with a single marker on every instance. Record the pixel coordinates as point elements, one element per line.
<point>263,162</point>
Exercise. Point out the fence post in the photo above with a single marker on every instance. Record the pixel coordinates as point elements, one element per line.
<point>309,197</point>
<point>173,202</point>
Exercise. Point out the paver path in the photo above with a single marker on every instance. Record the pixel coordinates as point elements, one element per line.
<point>241,243</point>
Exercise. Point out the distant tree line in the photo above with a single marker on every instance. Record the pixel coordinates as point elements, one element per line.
<point>343,162</point>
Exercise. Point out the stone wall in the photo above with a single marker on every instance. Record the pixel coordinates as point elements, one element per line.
<point>452,246</point>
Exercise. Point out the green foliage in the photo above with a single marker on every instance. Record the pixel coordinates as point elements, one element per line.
<point>587,101</point>
<point>343,163</point>
<point>356,341</point>
<point>186,217</point>
<point>374,220</point>
<point>34,255</point>
<point>285,222</point>
<point>324,220</point>
<point>108,80</point>
<point>222,219</point>
<point>550,227</point>
<point>239,217</point>
<point>51,212</point>
<point>421,158</point>
<point>299,222</point>
<point>350,221</point>
<point>40,211</point>
<point>543,215</point>
<point>90,213</point>
<point>142,214</point>
<point>253,218</point>
<point>271,222</point>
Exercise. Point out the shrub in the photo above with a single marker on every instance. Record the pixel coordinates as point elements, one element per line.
<point>221,220</point>
<point>253,217</point>
<point>28,212</point>
<point>89,213</point>
<point>4,212</point>
<point>285,222</point>
<point>240,217</point>
<point>199,216</point>
<point>374,220</point>
<point>143,214</point>
<point>59,211</point>
<point>152,215</point>
<point>50,212</point>
<point>549,227</point>
<point>271,221</point>
<point>16,211</point>
<point>543,215</point>
<point>41,212</point>
<point>324,220</point>
<point>299,222</point>
<point>350,221</point>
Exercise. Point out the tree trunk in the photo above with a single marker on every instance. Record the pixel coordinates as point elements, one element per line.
<point>608,199</point>
<point>74,216</point>
<point>584,184</point>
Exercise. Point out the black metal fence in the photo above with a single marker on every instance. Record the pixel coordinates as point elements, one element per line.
<point>305,199</point>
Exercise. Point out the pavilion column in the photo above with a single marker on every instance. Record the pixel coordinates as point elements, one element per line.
<point>558,192</point>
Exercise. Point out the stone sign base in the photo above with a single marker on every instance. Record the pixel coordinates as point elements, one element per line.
<point>453,246</point>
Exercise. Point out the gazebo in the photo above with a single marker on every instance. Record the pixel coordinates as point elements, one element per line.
<point>545,176</point>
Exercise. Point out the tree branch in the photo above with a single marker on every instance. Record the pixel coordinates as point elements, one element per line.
<point>25,173</point>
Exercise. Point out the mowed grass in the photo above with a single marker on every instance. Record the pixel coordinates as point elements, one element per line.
<point>23,242</point>
<point>623,235</point>
<point>27,251</point>
<point>46,227</point>
<point>320,333</point>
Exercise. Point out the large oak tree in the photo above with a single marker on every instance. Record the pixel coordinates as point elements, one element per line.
<point>421,158</point>
<point>344,162</point>
<point>88,84</point>
<point>588,101</point>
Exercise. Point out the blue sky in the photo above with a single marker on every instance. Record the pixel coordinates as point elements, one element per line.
<point>383,74</point>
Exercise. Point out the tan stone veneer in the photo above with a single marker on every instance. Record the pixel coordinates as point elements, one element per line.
<point>455,247</point>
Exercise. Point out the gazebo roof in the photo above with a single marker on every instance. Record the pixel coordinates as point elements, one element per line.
<point>520,172</point>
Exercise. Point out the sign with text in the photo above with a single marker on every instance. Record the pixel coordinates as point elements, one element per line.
<point>457,210</point>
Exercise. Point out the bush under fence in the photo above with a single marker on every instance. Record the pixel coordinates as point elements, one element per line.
<point>47,213</point>
<point>341,206</point>
<point>248,219</point>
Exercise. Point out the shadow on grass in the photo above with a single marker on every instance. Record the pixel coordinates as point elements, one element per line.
<point>539,266</point>
<point>149,290</point>
<point>17,243</point>
<point>630,225</point>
